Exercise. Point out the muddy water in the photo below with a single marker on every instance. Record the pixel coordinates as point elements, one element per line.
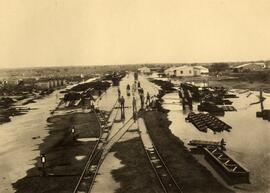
<point>17,146</point>
<point>19,140</point>
<point>248,141</point>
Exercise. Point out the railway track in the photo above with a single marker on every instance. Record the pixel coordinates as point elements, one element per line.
<point>101,154</point>
<point>165,178</point>
<point>161,170</point>
<point>90,170</point>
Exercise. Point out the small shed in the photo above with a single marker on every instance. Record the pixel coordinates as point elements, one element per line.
<point>184,71</point>
<point>144,70</point>
<point>200,70</point>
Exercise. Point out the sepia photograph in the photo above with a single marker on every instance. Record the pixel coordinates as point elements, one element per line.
<point>134,96</point>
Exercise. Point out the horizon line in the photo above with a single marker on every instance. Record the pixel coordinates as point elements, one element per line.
<point>146,63</point>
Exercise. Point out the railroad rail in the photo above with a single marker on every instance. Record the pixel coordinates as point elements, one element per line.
<point>161,170</point>
<point>99,158</point>
<point>165,178</point>
<point>90,169</point>
<point>87,179</point>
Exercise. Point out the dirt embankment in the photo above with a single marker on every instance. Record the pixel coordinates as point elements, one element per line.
<point>137,175</point>
<point>65,157</point>
<point>193,177</point>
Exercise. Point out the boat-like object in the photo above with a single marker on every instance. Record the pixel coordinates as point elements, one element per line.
<point>232,171</point>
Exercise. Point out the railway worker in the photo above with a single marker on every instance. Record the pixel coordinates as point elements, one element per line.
<point>119,92</point>
<point>222,142</point>
<point>147,103</point>
<point>139,84</point>
<point>142,91</point>
<point>122,103</point>
<point>142,101</point>
<point>133,88</point>
<point>92,105</point>
<point>128,87</point>
<point>139,91</point>
<point>128,90</point>
<point>99,93</point>
<point>134,104</point>
<point>153,102</point>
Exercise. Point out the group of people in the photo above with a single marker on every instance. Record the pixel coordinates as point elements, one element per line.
<point>121,100</point>
<point>149,102</point>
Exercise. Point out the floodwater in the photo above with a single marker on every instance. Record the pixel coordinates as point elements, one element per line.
<point>18,149</point>
<point>247,142</point>
<point>19,140</point>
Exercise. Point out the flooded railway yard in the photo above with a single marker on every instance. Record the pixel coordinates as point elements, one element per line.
<point>130,151</point>
<point>246,141</point>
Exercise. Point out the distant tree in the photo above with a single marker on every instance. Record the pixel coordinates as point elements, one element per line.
<point>219,67</point>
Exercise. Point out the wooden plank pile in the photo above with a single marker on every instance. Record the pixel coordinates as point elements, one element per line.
<point>202,121</point>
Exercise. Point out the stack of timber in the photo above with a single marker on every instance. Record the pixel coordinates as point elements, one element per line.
<point>202,121</point>
<point>215,123</point>
<point>230,96</point>
<point>228,108</point>
<point>211,108</point>
<point>218,100</point>
<point>265,114</point>
<point>202,144</point>
<point>197,121</point>
<point>186,97</point>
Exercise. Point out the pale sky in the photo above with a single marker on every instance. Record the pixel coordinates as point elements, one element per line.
<point>85,32</point>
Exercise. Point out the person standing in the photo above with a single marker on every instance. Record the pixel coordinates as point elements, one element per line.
<point>122,103</point>
<point>153,103</point>
<point>134,104</point>
<point>119,92</point>
<point>99,93</point>
<point>128,90</point>
<point>147,100</point>
<point>142,101</point>
<point>139,91</point>
<point>92,105</point>
<point>134,108</point>
<point>128,87</point>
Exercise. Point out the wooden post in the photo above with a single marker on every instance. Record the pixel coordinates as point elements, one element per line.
<point>261,100</point>
<point>43,161</point>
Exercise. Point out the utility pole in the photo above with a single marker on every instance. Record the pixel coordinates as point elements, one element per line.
<point>261,100</point>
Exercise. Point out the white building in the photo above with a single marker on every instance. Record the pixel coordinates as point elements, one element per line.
<point>200,70</point>
<point>12,82</point>
<point>184,71</point>
<point>144,70</point>
<point>170,71</point>
<point>43,84</point>
<point>180,71</point>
